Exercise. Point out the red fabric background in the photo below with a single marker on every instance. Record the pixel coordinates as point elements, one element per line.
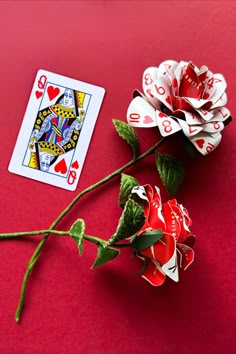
<point>69,308</point>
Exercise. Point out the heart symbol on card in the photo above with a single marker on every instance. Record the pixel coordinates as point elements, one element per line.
<point>162,115</point>
<point>38,94</point>
<point>61,167</point>
<point>75,165</point>
<point>147,120</point>
<point>206,96</point>
<point>52,92</point>
<point>200,143</point>
<point>168,100</point>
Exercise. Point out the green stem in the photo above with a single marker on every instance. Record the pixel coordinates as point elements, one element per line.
<point>27,233</point>
<point>93,239</point>
<point>37,251</point>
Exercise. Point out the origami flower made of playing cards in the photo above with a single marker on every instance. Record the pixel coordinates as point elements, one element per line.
<point>175,246</point>
<point>179,96</point>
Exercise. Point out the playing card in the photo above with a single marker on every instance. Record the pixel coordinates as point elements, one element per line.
<point>56,130</point>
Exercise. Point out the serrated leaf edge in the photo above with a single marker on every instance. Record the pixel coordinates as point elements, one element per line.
<point>171,187</point>
<point>78,240</point>
<point>134,144</point>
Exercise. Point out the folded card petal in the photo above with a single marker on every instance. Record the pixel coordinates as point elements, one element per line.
<point>154,274</point>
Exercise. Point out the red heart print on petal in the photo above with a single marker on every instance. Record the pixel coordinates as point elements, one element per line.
<point>75,165</point>
<point>168,100</point>
<point>200,143</point>
<point>61,167</point>
<point>147,120</point>
<point>52,92</point>
<point>206,96</point>
<point>38,94</point>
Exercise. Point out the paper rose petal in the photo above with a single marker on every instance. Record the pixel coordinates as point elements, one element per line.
<point>171,268</point>
<point>213,127</point>
<point>221,101</point>
<point>141,113</point>
<point>149,76</point>
<point>186,255</point>
<point>162,251</point>
<point>193,118</point>
<point>182,95</point>
<point>167,125</point>
<point>220,115</point>
<point>189,130</point>
<point>190,241</point>
<point>214,88</point>
<point>179,69</point>
<point>167,66</point>
<point>206,143</point>
<point>154,274</point>
<point>160,90</point>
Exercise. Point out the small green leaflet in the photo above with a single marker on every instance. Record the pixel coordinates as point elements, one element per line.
<point>131,221</point>
<point>104,255</point>
<point>171,172</point>
<point>126,186</point>
<point>127,133</point>
<point>77,233</point>
<point>147,239</point>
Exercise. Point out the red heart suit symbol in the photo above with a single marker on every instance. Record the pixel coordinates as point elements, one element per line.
<point>200,143</point>
<point>38,94</point>
<point>206,95</point>
<point>147,120</point>
<point>75,165</point>
<point>168,100</point>
<point>52,92</point>
<point>61,167</point>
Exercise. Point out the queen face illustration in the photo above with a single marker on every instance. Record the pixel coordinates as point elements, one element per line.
<point>68,100</point>
<point>45,160</point>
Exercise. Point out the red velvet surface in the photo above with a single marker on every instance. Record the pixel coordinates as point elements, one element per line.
<point>70,309</point>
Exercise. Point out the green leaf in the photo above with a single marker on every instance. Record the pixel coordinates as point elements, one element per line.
<point>104,255</point>
<point>77,233</point>
<point>126,186</point>
<point>127,133</point>
<point>131,221</point>
<point>171,172</point>
<point>147,239</point>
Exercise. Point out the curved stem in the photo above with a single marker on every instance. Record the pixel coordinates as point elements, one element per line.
<point>93,239</point>
<point>24,233</point>
<point>37,251</point>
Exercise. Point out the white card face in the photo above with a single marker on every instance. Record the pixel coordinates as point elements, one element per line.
<point>56,130</point>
